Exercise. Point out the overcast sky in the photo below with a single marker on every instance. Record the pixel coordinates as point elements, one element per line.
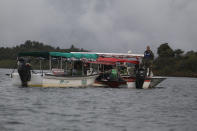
<point>100,25</point>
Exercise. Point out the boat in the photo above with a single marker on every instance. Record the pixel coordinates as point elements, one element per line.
<point>131,76</point>
<point>63,76</point>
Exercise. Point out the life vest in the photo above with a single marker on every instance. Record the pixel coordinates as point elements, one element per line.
<point>114,74</point>
<point>148,54</point>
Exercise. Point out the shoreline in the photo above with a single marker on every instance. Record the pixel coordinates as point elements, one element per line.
<point>180,74</point>
<point>177,74</point>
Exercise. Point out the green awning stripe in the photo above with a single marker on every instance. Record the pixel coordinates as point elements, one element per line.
<point>59,54</point>
<point>74,55</point>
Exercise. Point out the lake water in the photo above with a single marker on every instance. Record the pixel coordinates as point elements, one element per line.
<point>172,106</point>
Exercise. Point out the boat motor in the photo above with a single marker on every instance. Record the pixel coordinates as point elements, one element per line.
<point>140,77</point>
<point>24,72</point>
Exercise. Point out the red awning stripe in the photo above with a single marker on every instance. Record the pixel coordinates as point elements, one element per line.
<point>114,60</point>
<point>102,62</point>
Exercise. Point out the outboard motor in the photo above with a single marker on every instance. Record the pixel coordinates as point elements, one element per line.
<point>140,77</point>
<point>24,72</point>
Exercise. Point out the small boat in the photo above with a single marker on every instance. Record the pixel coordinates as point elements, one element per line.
<point>56,77</point>
<point>132,77</point>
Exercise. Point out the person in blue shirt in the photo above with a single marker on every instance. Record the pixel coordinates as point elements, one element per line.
<point>148,59</point>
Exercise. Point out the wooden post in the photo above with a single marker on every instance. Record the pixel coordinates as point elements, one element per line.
<point>66,66</point>
<point>82,69</point>
<point>98,67</point>
<point>73,66</point>
<point>49,62</point>
<point>61,63</point>
<point>40,65</point>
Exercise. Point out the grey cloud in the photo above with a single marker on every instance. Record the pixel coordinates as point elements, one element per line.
<point>100,25</point>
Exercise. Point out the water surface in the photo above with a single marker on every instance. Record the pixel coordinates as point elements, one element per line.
<point>172,106</point>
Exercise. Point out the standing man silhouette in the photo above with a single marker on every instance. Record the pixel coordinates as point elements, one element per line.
<point>148,59</point>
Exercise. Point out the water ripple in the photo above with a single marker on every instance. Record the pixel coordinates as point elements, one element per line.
<point>170,106</point>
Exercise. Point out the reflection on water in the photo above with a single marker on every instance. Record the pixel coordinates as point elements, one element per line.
<point>171,106</point>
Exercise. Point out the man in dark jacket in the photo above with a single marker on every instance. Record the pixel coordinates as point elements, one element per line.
<point>148,59</point>
<point>24,71</point>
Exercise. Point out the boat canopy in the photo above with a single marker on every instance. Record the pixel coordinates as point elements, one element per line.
<point>74,55</point>
<point>114,55</point>
<point>60,54</point>
<point>35,54</point>
<point>113,61</point>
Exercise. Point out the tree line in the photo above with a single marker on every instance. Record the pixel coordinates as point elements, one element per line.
<point>175,62</point>
<point>11,53</point>
<point>168,63</point>
<point>8,55</point>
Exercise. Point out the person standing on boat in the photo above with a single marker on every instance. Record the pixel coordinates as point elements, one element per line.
<point>148,60</point>
<point>24,71</point>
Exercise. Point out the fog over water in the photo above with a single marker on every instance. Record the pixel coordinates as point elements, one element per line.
<point>100,25</point>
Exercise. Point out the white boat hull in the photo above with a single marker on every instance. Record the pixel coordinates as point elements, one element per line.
<point>148,83</point>
<point>39,80</point>
<point>126,85</point>
<point>51,81</point>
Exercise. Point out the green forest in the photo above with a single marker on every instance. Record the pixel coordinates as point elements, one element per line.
<point>175,62</point>
<point>8,55</point>
<point>168,62</point>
